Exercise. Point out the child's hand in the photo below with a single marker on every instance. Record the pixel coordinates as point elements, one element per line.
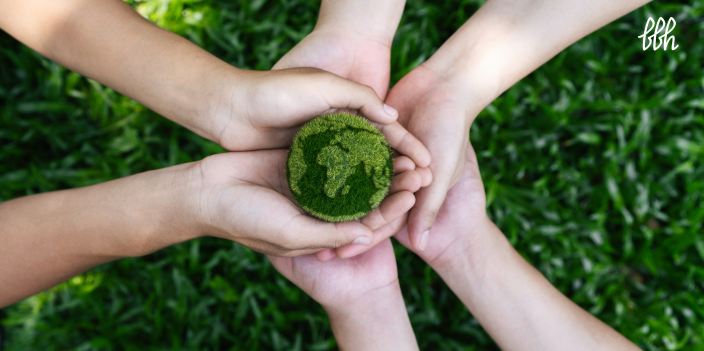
<point>462,221</point>
<point>242,110</point>
<point>352,38</point>
<point>361,296</point>
<point>267,109</point>
<point>341,283</point>
<point>350,55</point>
<point>464,207</point>
<point>245,197</point>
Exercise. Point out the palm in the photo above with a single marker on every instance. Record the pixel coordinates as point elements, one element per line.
<point>353,57</point>
<point>246,199</point>
<point>437,114</point>
<point>464,207</point>
<point>340,281</point>
<point>244,196</point>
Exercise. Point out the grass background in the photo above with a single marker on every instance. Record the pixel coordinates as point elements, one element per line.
<point>592,164</point>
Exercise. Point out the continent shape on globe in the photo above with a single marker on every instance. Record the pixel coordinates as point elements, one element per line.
<point>339,167</point>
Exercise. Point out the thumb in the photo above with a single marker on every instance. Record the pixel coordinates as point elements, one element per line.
<point>306,233</point>
<point>420,220</point>
<point>346,94</point>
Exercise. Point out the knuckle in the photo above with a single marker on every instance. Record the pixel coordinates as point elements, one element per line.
<point>287,242</point>
<point>432,214</point>
<point>337,243</point>
<point>370,91</point>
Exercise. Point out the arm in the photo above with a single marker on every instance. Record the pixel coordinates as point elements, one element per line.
<point>47,238</point>
<point>500,44</point>
<point>240,109</point>
<point>110,42</point>
<point>361,296</point>
<point>514,303</point>
<point>379,321</point>
<point>505,40</point>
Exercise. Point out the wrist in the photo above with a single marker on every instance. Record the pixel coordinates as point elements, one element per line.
<point>378,320</point>
<point>471,256</point>
<point>364,304</point>
<point>474,80</point>
<point>370,19</point>
<point>141,214</point>
<point>218,102</point>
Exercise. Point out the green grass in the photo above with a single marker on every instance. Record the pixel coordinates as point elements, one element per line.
<point>592,165</point>
<point>339,167</point>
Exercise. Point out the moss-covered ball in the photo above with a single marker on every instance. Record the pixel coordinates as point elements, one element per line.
<point>339,167</point>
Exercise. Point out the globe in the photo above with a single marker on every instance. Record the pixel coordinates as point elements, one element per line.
<point>339,167</point>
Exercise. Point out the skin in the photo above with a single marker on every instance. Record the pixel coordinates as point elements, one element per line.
<point>514,303</point>
<point>504,41</point>
<point>438,101</point>
<point>236,196</point>
<point>109,42</point>
<point>361,295</point>
<point>352,39</point>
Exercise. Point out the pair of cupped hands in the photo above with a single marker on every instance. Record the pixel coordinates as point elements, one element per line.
<point>244,195</point>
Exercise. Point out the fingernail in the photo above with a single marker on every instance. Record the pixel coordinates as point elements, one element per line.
<point>362,240</point>
<point>424,240</point>
<point>390,111</point>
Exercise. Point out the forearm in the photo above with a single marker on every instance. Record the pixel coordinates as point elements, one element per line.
<point>375,19</point>
<point>378,322</point>
<point>505,40</point>
<point>109,42</point>
<point>45,239</point>
<point>515,304</point>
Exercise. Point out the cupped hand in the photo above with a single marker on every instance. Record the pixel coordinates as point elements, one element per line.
<point>439,113</point>
<point>341,282</point>
<point>245,197</point>
<point>357,57</point>
<point>463,212</point>
<point>267,109</point>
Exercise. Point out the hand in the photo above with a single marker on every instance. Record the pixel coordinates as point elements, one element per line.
<point>512,300</point>
<point>464,207</point>
<point>361,296</point>
<point>340,283</point>
<point>264,110</point>
<point>462,218</point>
<point>439,112</point>
<point>357,57</point>
<point>245,197</point>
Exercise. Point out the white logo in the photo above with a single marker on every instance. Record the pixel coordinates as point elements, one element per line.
<point>663,40</point>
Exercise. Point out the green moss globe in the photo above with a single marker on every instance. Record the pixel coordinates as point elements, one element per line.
<point>339,167</point>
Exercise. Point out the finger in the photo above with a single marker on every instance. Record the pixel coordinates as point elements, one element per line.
<point>380,235</point>
<point>390,209</point>
<point>405,143</point>
<point>327,254</point>
<point>406,181</point>
<point>402,237</point>
<point>426,175</point>
<point>346,94</point>
<point>428,203</point>
<point>403,164</point>
<point>306,233</point>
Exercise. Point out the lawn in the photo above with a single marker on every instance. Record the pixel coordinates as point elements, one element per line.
<point>593,166</point>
